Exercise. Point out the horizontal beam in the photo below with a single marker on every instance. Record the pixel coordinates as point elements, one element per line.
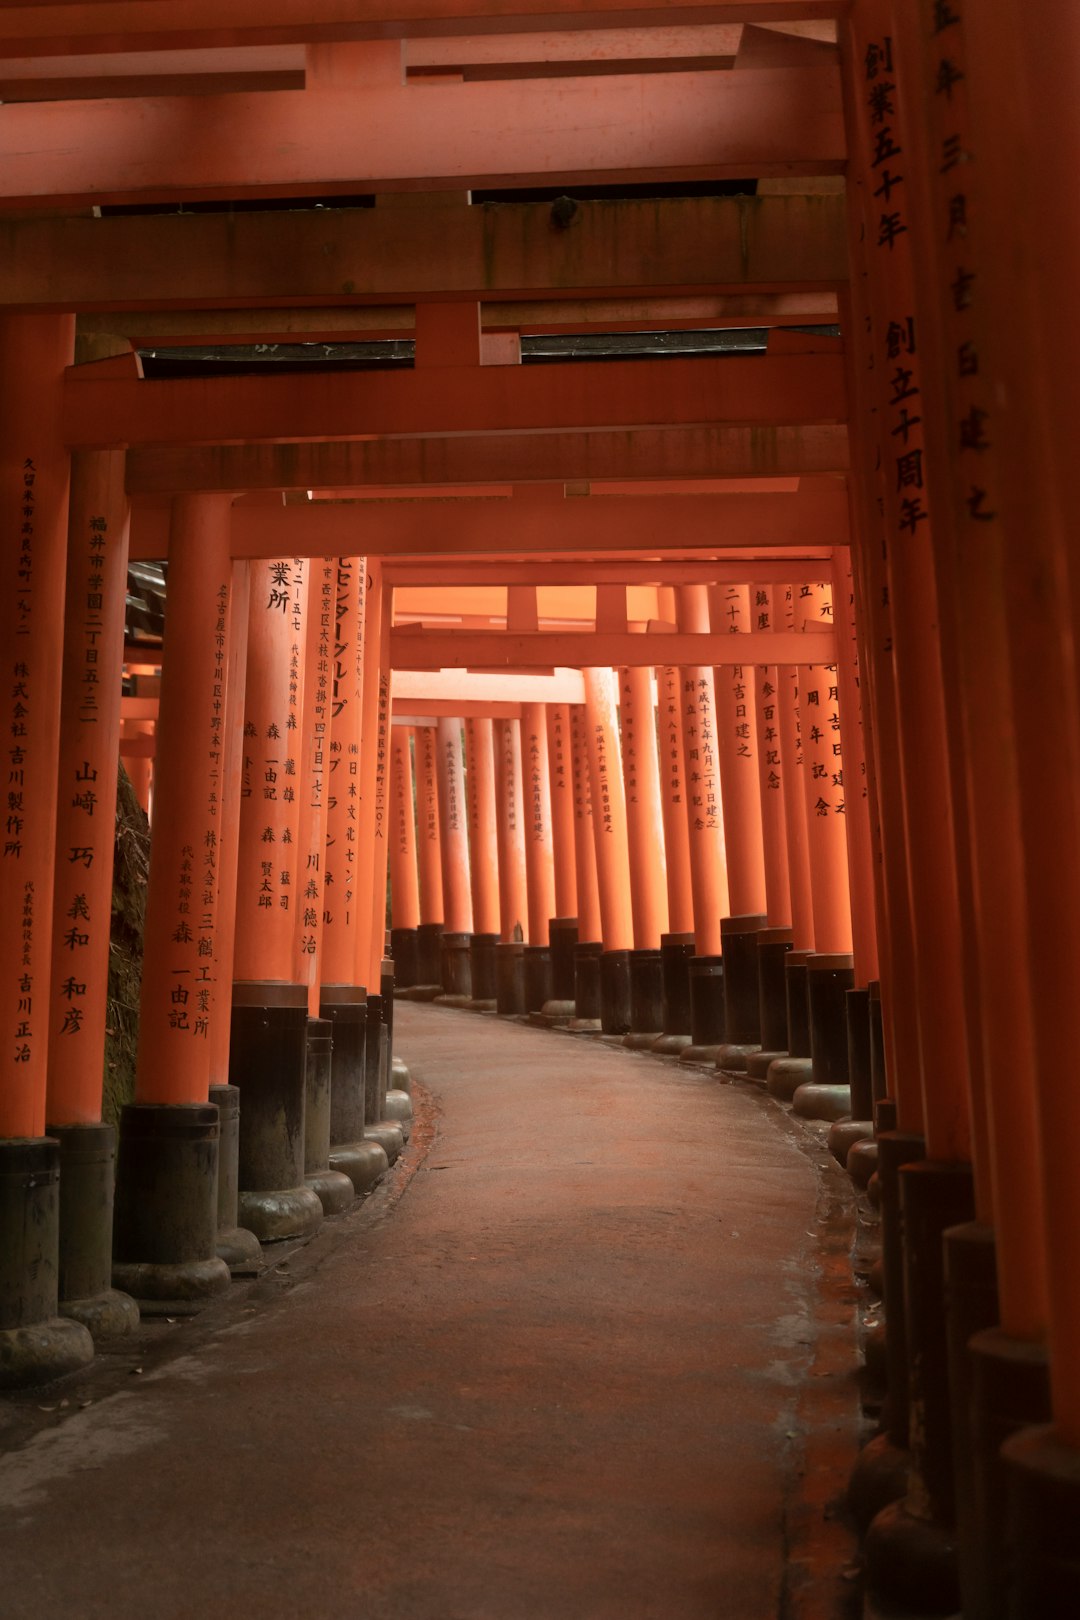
<point>642,453</point>
<point>138,25</point>
<point>380,137</point>
<point>489,649</point>
<point>164,328</point>
<point>543,525</point>
<point>384,254</point>
<point>553,571</point>
<point>760,391</point>
<point>452,686</point>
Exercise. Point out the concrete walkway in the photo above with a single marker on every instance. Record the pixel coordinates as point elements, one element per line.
<point>580,1360</point>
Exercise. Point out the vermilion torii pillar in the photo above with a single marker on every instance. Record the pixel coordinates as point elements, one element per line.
<point>95,602</point>
<point>539,855</point>
<point>166,1186</point>
<point>342,1000</point>
<point>999,340</point>
<point>677,946</point>
<point>708,861</point>
<point>454,834</point>
<point>612,849</point>
<point>645,841</point>
<point>737,744</point>
<point>404,878</point>
<point>513,899</point>
<point>563,926</point>
<point>589,945</point>
<point>270,1009</point>
<point>483,858</point>
<point>34,474</point>
<point>898,513</point>
<point>332,1187</point>
<point>429,861</point>
<point>239,1248</point>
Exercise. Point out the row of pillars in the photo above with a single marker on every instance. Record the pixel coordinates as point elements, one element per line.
<point>266,1094</point>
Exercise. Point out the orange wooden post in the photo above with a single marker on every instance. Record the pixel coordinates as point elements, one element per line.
<point>270,869</point>
<point>313,753</point>
<point>267,1054</point>
<point>737,746</point>
<point>338,963</point>
<point>510,827</point>
<point>1036,362</point>
<point>730,612</point>
<point>374,758</point>
<point>171,1129</point>
<point>404,878</point>
<point>89,744</point>
<point>560,775</point>
<point>705,826</point>
<point>771,780</point>
<point>612,849</point>
<point>232,788</point>
<point>428,859</point>
<point>483,844</point>
<point>644,818</point>
<point>539,854</point>
<point>999,429</point>
<point>82,899</point>
<point>589,926</point>
<point>676,835</point>
<point>391,1106</point>
<point>35,1343</point>
<point>483,860</point>
<point>823,780</point>
<point>708,863</point>
<point>454,829</point>
<point>937,1192</point>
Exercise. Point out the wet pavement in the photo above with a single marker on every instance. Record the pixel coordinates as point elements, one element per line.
<point>587,1355</point>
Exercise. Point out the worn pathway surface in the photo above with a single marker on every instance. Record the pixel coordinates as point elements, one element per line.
<point>575,1364</point>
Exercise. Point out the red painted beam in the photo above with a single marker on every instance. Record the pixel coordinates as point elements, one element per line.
<point>491,649</point>
<point>672,125</point>
<point>136,25</point>
<point>384,255</point>
<point>524,525</point>
<point>644,453</point>
<point>762,391</point>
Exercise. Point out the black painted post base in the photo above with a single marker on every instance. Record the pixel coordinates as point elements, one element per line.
<point>332,1188</point>
<point>87,1173</point>
<point>404,949</point>
<point>586,1019</point>
<point>646,999</point>
<point>510,978</point>
<point>911,1547</point>
<point>165,1218</point>
<point>239,1248</point>
<point>389,1134</point>
<point>1044,1511</point>
<point>827,1095</point>
<point>482,969</point>
<point>538,981</point>
<point>615,992</point>
<point>773,947</point>
<point>971,1305</point>
<point>365,1163</point>
<point>455,971</point>
<point>785,1075</point>
<point>396,1105</point>
<point>676,951</point>
<point>742,996</point>
<point>267,1059</point>
<point>428,983</point>
<point>37,1344</point>
<point>1010,1392</point>
<point>563,936</point>
<point>706,974</point>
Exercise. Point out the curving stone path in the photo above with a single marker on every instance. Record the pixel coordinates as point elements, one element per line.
<point>571,1370</point>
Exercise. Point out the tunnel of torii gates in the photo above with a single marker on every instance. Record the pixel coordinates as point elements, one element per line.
<point>664,573</point>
